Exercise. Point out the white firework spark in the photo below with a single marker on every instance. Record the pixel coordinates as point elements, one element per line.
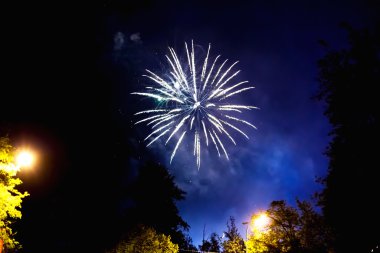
<point>194,100</point>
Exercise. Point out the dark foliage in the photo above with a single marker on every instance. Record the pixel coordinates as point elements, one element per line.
<point>349,83</point>
<point>154,196</point>
<point>234,242</point>
<point>213,244</point>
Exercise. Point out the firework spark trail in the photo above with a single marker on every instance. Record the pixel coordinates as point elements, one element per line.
<point>158,130</point>
<point>150,111</point>
<point>213,141</point>
<point>205,132</point>
<point>193,99</point>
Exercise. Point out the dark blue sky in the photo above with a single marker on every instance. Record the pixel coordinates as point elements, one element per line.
<point>70,69</point>
<point>276,43</point>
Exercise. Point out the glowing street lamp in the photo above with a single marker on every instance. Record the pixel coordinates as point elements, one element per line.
<point>261,222</point>
<point>258,225</point>
<point>25,159</point>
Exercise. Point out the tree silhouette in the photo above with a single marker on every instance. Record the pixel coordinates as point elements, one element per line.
<point>215,242</point>
<point>153,203</point>
<point>211,245</point>
<point>205,246</point>
<point>234,242</point>
<point>349,80</point>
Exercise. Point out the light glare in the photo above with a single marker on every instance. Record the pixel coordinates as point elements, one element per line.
<point>25,159</point>
<point>261,222</point>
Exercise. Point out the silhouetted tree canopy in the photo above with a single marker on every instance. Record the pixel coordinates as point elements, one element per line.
<point>349,83</point>
<point>212,244</point>
<point>153,203</point>
<point>205,246</point>
<point>233,243</point>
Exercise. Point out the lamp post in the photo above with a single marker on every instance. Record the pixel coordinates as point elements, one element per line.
<point>246,229</point>
<point>246,234</point>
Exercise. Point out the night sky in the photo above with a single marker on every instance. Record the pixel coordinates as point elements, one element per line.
<point>70,78</point>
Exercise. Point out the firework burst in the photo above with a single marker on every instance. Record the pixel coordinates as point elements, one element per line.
<point>193,101</point>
